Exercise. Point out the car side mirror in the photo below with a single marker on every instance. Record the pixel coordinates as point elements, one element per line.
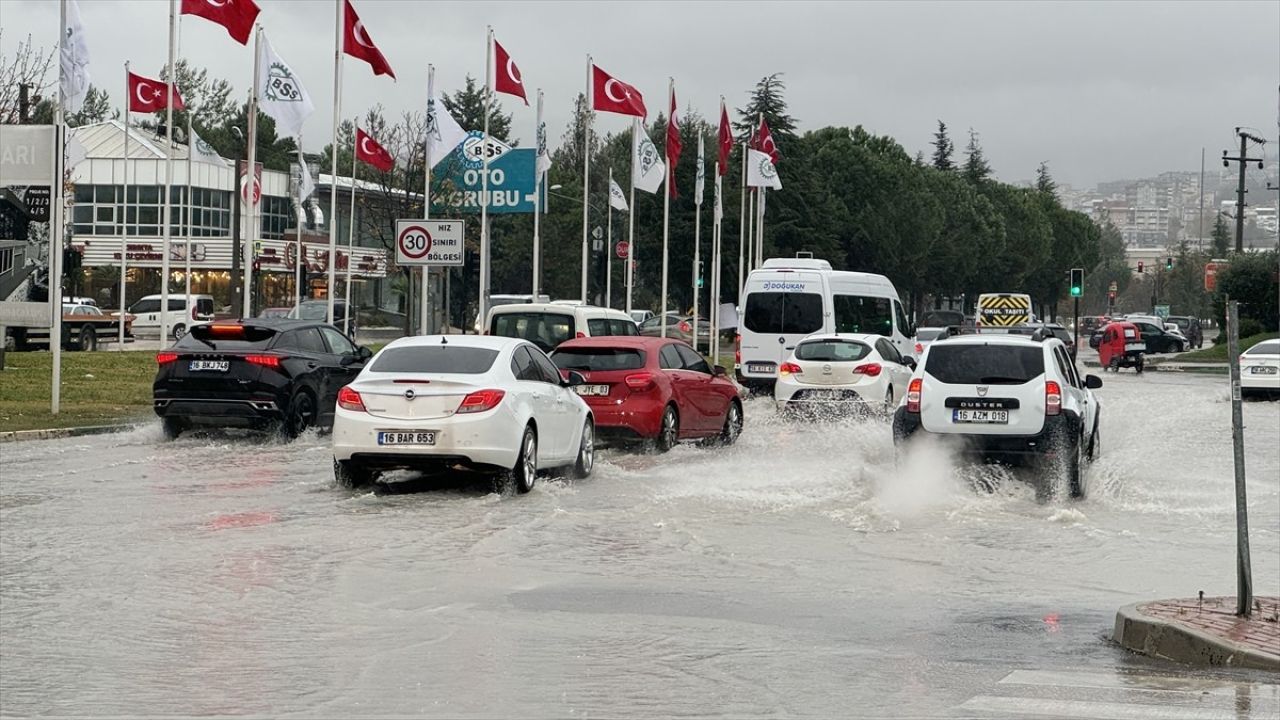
<point>364,353</point>
<point>720,371</point>
<point>909,362</point>
<point>1093,382</point>
<point>573,378</point>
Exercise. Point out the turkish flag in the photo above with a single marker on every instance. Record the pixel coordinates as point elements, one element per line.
<point>673,144</point>
<point>236,16</point>
<point>369,151</point>
<point>357,43</point>
<point>147,95</point>
<point>506,78</point>
<point>726,139</point>
<point>613,95</point>
<point>764,142</point>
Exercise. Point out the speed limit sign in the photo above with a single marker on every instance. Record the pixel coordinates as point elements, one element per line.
<point>429,242</point>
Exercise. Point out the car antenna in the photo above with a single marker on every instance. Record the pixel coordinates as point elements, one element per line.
<point>444,340</point>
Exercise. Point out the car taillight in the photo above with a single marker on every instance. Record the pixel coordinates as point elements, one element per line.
<point>270,361</point>
<point>868,369</point>
<point>639,381</point>
<point>579,334</point>
<point>737,349</point>
<point>166,357</point>
<point>1052,398</point>
<point>685,327</point>
<point>789,369</point>
<point>349,399</point>
<point>913,395</point>
<point>480,401</point>
<point>919,348</point>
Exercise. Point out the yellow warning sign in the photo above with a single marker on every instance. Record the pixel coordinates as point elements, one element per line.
<point>1003,309</point>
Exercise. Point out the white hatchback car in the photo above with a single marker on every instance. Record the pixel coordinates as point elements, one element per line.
<point>1005,398</point>
<point>834,373</point>
<point>1260,369</point>
<point>437,402</point>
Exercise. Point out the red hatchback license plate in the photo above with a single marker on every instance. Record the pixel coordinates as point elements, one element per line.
<point>586,390</point>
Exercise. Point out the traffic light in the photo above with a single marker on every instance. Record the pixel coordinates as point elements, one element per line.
<point>1168,263</point>
<point>1077,282</point>
<point>1139,267</point>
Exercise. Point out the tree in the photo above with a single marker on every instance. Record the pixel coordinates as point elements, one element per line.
<point>976,168</point>
<point>1044,182</point>
<point>942,149</point>
<point>28,66</point>
<point>467,107</point>
<point>766,101</point>
<point>1221,237</point>
<point>97,108</point>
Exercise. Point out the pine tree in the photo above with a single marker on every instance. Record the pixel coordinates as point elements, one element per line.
<point>1044,182</point>
<point>1221,237</point>
<point>942,149</point>
<point>976,168</point>
<point>766,100</point>
<point>467,107</point>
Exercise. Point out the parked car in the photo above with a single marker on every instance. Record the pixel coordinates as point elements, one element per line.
<point>255,373</point>
<point>185,311</point>
<point>83,328</point>
<point>834,374</point>
<point>435,402</point>
<point>1190,328</point>
<point>1260,369</point>
<point>549,324</point>
<point>640,316</point>
<point>656,390</point>
<point>318,310</point>
<point>1122,346</point>
<point>1005,398</point>
<point>679,327</point>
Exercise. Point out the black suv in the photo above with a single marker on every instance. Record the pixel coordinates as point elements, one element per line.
<point>1190,328</point>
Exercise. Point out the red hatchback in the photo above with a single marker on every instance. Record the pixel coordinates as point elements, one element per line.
<point>652,389</point>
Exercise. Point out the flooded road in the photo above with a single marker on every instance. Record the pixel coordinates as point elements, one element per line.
<point>797,573</point>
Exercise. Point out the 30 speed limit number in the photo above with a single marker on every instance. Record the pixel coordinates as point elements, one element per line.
<point>429,242</point>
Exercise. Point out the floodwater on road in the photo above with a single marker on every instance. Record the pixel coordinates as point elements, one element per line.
<point>799,572</point>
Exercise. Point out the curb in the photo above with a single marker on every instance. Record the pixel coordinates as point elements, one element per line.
<point>54,433</point>
<point>1174,641</point>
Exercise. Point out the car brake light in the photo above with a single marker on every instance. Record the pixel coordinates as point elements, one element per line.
<point>349,399</point>
<point>1052,398</point>
<point>869,369</point>
<point>789,369</point>
<point>737,349</point>
<point>480,401</point>
<point>685,327</point>
<point>270,361</point>
<point>227,330</point>
<point>579,334</point>
<point>166,357</point>
<point>913,395</point>
<point>919,348</point>
<point>639,381</point>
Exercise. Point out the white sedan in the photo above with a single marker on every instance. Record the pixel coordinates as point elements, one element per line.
<point>436,402</point>
<point>838,372</point>
<point>1260,368</point>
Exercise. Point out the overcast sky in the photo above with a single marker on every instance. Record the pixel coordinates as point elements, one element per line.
<point>1101,91</point>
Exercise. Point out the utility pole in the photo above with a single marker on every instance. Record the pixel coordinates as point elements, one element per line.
<point>1240,191</point>
<point>1244,566</point>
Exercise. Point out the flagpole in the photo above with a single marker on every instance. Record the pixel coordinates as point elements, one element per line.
<point>714,299</point>
<point>124,236</point>
<point>56,228</point>
<point>751,230</point>
<point>187,209</point>
<point>483,301</point>
<point>425,313</point>
<point>586,174</point>
<point>168,178</point>
<point>760,231</point>
<point>631,216</point>
<point>351,241</point>
<point>537,203</point>
<point>697,236</point>
<point>666,208</point>
<point>608,248</point>
<point>251,183</point>
<point>333,159</point>
<point>301,215</point>
<point>742,228</point>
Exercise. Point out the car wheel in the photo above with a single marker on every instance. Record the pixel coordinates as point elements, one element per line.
<point>179,330</point>
<point>1075,469</point>
<point>350,474</point>
<point>171,427</point>
<point>1139,364</point>
<point>888,400</point>
<point>301,414</point>
<point>586,451</point>
<point>669,432</point>
<point>525,473</point>
<point>732,424</point>
<point>1095,445</point>
<point>88,338</point>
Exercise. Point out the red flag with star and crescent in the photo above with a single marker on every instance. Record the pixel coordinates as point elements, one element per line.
<point>674,146</point>
<point>725,139</point>
<point>369,151</point>
<point>506,76</point>
<point>147,95</point>
<point>237,16</point>
<point>764,142</point>
<point>357,43</point>
<point>610,94</point>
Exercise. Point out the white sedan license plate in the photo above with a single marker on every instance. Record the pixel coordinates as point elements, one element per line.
<point>407,437</point>
<point>214,365</point>
<point>980,416</point>
<point>760,367</point>
<point>1263,370</point>
<point>585,390</point>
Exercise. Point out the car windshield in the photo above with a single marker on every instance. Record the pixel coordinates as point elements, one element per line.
<point>227,337</point>
<point>986,364</point>
<point>832,350</point>
<point>1268,347</point>
<point>544,329</point>
<point>596,359</point>
<point>445,359</point>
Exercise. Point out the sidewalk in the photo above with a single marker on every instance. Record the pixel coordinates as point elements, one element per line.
<point>1187,631</point>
